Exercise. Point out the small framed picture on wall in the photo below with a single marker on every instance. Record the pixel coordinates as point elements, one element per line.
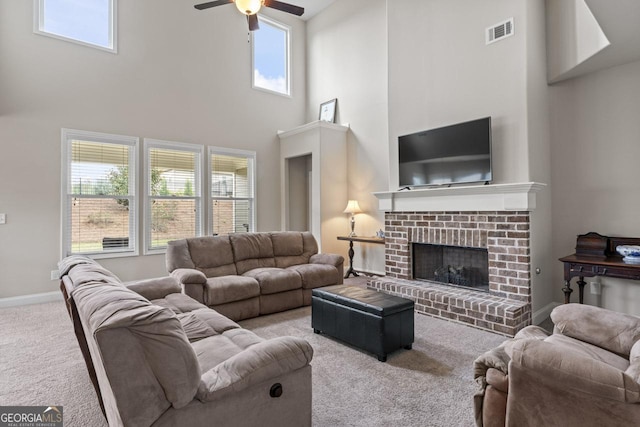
<point>328,111</point>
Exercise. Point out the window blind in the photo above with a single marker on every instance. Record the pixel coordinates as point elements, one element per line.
<point>232,192</point>
<point>173,193</point>
<point>99,201</point>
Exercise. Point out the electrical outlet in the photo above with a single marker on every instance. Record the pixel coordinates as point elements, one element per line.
<point>55,275</point>
<point>3,218</point>
<point>595,288</point>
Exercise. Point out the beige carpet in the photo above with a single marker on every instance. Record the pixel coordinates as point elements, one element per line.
<point>431,385</point>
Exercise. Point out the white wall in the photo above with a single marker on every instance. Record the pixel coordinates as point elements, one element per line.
<point>595,151</point>
<point>180,74</point>
<point>441,72</point>
<point>573,36</point>
<point>347,59</point>
<point>539,157</point>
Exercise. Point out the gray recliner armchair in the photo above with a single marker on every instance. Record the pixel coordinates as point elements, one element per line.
<point>587,373</point>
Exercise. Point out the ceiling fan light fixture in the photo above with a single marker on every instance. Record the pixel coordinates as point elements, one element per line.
<point>248,7</point>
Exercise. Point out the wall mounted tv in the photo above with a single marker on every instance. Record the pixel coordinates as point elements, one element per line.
<point>455,154</point>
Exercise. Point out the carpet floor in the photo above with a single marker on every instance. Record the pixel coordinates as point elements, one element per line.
<point>430,385</point>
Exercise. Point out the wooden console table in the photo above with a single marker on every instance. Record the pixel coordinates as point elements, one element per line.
<point>596,256</point>
<point>352,239</point>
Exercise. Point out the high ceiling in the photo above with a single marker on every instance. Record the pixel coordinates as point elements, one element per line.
<point>311,7</point>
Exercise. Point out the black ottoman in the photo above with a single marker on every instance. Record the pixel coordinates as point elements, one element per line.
<point>373,321</point>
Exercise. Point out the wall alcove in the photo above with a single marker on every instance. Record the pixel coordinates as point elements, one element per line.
<point>313,182</point>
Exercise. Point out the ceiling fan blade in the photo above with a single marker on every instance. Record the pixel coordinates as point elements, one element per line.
<point>212,4</point>
<point>285,7</point>
<point>253,22</point>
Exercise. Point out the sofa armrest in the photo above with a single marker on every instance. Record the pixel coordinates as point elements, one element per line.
<point>574,371</point>
<point>613,331</point>
<point>260,362</point>
<point>189,276</point>
<point>156,288</point>
<point>331,259</point>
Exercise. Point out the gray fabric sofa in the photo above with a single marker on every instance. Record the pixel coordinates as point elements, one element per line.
<point>245,275</point>
<point>587,373</point>
<point>160,358</point>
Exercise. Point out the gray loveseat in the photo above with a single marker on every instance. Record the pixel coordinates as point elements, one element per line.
<point>245,275</point>
<point>158,357</point>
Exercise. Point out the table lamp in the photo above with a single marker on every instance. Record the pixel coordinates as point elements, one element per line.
<point>352,208</point>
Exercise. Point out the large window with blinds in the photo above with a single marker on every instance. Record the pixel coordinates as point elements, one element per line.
<point>232,182</point>
<point>99,193</point>
<point>173,192</point>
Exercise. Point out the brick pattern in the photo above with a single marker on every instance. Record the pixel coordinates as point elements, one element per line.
<point>506,237</point>
<point>477,309</point>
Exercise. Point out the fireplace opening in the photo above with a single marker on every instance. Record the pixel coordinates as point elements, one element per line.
<point>451,265</point>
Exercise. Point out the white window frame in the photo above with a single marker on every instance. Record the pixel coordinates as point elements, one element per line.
<point>287,30</point>
<point>69,135</point>
<point>252,178</point>
<point>197,188</point>
<point>38,27</point>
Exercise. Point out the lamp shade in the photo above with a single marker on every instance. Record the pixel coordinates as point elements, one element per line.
<point>249,7</point>
<point>352,207</point>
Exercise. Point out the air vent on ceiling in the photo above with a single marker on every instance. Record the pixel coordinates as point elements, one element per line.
<point>500,31</point>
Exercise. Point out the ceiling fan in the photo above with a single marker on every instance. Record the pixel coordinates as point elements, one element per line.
<point>251,8</point>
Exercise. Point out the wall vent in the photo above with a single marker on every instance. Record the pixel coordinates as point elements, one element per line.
<point>500,31</point>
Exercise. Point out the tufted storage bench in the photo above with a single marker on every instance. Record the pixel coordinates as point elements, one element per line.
<point>370,320</point>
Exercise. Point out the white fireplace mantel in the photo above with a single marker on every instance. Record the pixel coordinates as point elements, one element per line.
<point>495,197</point>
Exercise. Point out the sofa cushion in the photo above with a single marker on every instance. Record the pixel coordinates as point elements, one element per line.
<point>287,243</point>
<point>212,255</point>
<point>216,349</point>
<point>589,350</point>
<point>288,248</point>
<point>204,323</point>
<point>616,332</point>
<point>90,273</point>
<point>316,275</point>
<point>156,288</point>
<point>252,250</point>
<point>178,303</point>
<point>274,280</point>
<point>224,289</point>
<point>178,255</point>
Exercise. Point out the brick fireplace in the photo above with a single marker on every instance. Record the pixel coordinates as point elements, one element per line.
<point>505,234</point>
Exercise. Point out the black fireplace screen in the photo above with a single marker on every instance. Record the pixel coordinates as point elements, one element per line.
<point>452,265</point>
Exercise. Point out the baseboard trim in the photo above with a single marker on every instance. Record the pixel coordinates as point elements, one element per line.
<point>30,299</point>
<point>541,315</point>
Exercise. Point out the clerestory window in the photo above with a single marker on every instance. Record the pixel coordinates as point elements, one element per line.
<point>271,57</point>
<point>88,22</point>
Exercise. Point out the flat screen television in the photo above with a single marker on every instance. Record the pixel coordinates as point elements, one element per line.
<point>455,154</point>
